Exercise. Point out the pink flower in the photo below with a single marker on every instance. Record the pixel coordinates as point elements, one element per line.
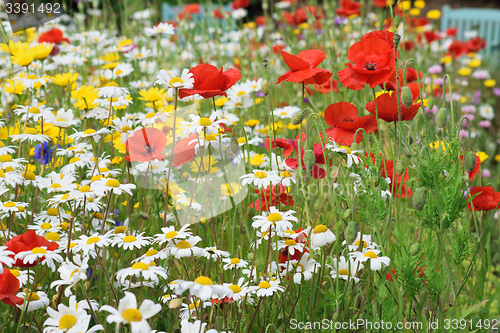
<point>485,123</point>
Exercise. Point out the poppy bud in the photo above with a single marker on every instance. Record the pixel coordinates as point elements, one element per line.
<point>382,184</point>
<point>297,118</point>
<point>400,167</point>
<point>234,146</point>
<point>347,213</point>
<point>265,87</point>
<point>442,117</point>
<point>309,159</point>
<point>430,102</point>
<point>408,151</point>
<point>354,146</point>
<point>351,232</point>
<point>250,256</point>
<point>415,249</point>
<point>406,97</point>
<point>144,216</point>
<point>396,38</point>
<point>419,198</point>
<point>470,161</point>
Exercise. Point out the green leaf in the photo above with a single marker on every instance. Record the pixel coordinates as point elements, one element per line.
<point>471,309</point>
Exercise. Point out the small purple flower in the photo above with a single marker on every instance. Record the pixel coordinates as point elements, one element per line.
<point>485,123</point>
<point>306,100</point>
<point>259,94</point>
<point>481,74</point>
<point>485,173</point>
<point>436,69</point>
<point>469,108</point>
<point>496,91</point>
<point>477,97</point>
<point>340,20</point>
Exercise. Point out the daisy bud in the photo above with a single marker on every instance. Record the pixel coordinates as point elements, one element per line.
<point>442,117</point>
<point>430,102</point>
<point>470,161</point>
<point>351,232</point>
<point>309,159</point>
<point>234,146</point>
<point>265,87</point>
<point>382,184</point>
<point>396,38</point>
<point>406,97</point>
<point>144,216</point>
<point>297,118</point>
<point>415,249</point>
<point>400,167</point>
<point>175,303</point>
<point>419,198</point>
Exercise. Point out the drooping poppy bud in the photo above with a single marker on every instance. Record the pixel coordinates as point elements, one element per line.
<point>430,102</point>
<point>406,97</point>
<point>419,198</point>
<point>382,184</point>
<point>309,159</point>
<point>415,249</point>
<point>265,87</point>
<point>351,232</point>
<point>400,167</point>
<point>442,117</point>
<point>234,146</point>
<point>297,118</point>
<point>470,161</point>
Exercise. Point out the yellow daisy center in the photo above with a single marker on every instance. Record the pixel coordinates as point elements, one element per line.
<point>10,204</point>
<point>175,80</point>
<point>319,229</point>
<point>93,240</point>
<point>89,131</point>
<point>370,254</point>
<point>235,288</point>
<point>52,211</point>
<point>183,245</point>
<point>264,285</point>
<point>38,250</point>
<point>290,242</point>
<point>171,234</point>
<point>141,266</point>
<point>129,239</point>
<point>274,217</point>
<point>131,315</point>
<point>113,183</point>
<point>34,110</point>
<point>235,261</point>
<point>204,280</point>
<point>205,121</point>
<point>67,321</point>
<point>260,174</point>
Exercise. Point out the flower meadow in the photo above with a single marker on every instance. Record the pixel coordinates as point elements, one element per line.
<point>335,161</point>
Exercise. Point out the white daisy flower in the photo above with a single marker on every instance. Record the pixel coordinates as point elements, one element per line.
<point>234,263</point>
<point>129,242</point>
<point>37,300</point>
<point>35,111</point>
<point>162,28</point>
<point>104,186</point>
<point>170,233</point>
<point>152,255</point>
<point>290,244</point>
<point>351,157</point>
<point>198,124</point>
<point>203,288</point>
<point>71,273</point>
<point>185,81</point>
<point>486,111</point>
<point>345,270</point>
<point>128,313</point>
<point>267,288</point>
<point>31,135</point>
<point>196,327</point>
<point>5,258</point>
<point>89,133</point>
<point>72,318</point>
<point>261,178</point>
<point>302,270</point>
<point>24,277</point>
<point>88,245</point>
<point>286,112</point>
<point>40,254</point>
<point>280,220</point>
<point>321,236</point>
<point>147,271</point>
<point>376,262</point>
<point>30,81</point>
<point>63,118</point>
<point>185,248</point>
<point>215,254</point>
<point>367,243</point>
<point>112,91</point>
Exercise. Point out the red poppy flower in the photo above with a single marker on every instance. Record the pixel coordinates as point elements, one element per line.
<point>475,44</point>
<point>27,242</point>
<point>477,166</point>
<point>319,158</point>
<point>183,151</point>
<point>387,107</point>
<point>381,3</point>
<point>343,117</point>
<point>397,186</point>
<point>272,196</point>
<point>237,4</point>
<point>384,35</point>
<point>372,63</point>
<point>487,199</point>
<point>147,144</point>
<point>261,20</point>
<point>457,48</point>
<point>348,8</point>
<point>302,14</point>
<point>451,32</point>
<point>328,86</point>
<point>411,76</point>
<point>408,45</point>
<point>9,286</point>
<point>284,255</point>
<point>280,143</point>
<point>431,36</point>
<point>192,8</point>
<point>218,14</point>
<point>278,47</point>
<point>303,67</point>
<point>54,36</point>
<point>209,81</point>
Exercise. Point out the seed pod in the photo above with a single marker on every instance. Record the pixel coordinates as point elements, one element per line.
<point>470,161</point>
<point>415,249</point>
<point>396,38</point>
<point>382,184</point>
<point>442,117</point>
<point>430,102</point>
<point>406,97</point>
<point>309,159</point>
<point>408,151</point>
<point>144,216</point>
<point>351,232</point>
<point>400,167</point>
<point>234,146</point>
<point>265,63</point>
<point>265,87</point>
<point>297,118</point>
<point>175,303</point>
<point>419,199</point>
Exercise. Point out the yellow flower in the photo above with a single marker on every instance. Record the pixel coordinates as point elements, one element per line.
<point>434,14</point>
<point>117,160</point>
<point>414,12</point>
<point>24,58</point>
<point>14,88</point>
<point>474,63</point>
<point>123,43</point>
<point>136,205</point>
<point>111,65</point>
<point>482,156</point>
<point>420,4</point>
<point>14,48</point>
<point>221,101</point>
<point>152,94</point>
<point>464,71</point>
<point>42,51</point>
<point>110,57</point>
<point>257,159</point>
<point>230,189</point>
<point>497,157</point>
<point>65,79</point>
<point>259,100</point>
<point>446,59</point>
<point>489,83</point>
<point>437,144</point>
<point>242,140</point>
<point>252,123</point>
